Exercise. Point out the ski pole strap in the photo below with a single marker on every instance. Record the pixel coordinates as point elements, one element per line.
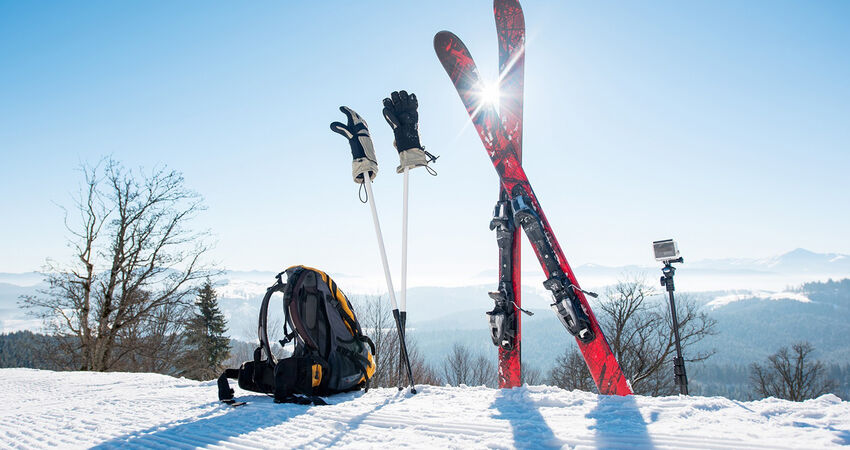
<point>362,195</point>
<point>415,157</point>
<point>431,158</point>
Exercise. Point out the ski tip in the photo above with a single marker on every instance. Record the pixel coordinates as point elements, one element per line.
<point>509,14</point>
<point>498,3</point>
<point>443,38</point>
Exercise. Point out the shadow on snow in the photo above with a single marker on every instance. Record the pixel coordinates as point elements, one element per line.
<point>619,423</point>
<point>530,430</point>
<point>212,427</point>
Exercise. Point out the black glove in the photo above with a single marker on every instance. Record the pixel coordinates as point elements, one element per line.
<point>400,112</point>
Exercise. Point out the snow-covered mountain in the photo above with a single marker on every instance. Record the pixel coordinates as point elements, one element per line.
<point>796,261</point>
<point>774,273</point>
<point>754,301</point>
<point>794,267</point>
<point>23,279</point>
<point>46,409</point>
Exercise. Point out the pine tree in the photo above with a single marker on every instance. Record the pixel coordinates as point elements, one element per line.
<point>206,345</point>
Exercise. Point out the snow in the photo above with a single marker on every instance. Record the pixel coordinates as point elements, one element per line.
<point>11,325</point>
<point>112,410</point>
<point>727,299</point>
<point>243,289</point>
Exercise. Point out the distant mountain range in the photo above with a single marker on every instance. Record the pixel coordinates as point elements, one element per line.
<point>795,261</point>
<point>758,304</point>
<point>775,273</point>
<point>796,264</point>
<point>22,279</point>
<point>750,325</point>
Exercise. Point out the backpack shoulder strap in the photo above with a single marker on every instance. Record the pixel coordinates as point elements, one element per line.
<point>296,287</point>
<point>262,326</point>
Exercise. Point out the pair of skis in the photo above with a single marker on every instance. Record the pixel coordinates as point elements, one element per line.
<point>501,135</point>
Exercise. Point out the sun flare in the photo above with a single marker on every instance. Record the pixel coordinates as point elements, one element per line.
<point>490,94</point>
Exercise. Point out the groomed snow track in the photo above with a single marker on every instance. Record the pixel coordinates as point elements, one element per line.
<point>112,410</point>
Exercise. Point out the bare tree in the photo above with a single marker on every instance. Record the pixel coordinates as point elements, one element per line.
<point>423,373</point>
<point>571,373</point>
<point>485,371</point>
<point>136,265</point>
<point>457,365</point>
<point>531,375</point>
<point>378,325</point>
<point>791,374</point>
<point>154,345</point>
<point>376,320</point>
<point>240,352</point>
<point>639,330</point>
<point>462,366</point>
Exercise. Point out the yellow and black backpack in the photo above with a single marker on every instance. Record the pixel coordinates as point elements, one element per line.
<point>331,353</point>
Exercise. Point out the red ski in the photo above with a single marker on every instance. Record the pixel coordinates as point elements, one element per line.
<point>510,28</point>
<point>570,305</point>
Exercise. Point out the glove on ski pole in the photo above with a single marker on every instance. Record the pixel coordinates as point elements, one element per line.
<point>357,133</point>
<point>400,111</point>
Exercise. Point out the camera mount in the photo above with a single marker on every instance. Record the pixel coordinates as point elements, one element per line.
<point>668,252</point>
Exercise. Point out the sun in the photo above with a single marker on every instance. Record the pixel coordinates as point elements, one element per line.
<point>490,94</point>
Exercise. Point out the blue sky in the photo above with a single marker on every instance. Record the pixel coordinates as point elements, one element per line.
<point>723,124</point>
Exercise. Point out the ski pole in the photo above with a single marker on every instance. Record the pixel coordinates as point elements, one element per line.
<point>364,168</point>
<point>403,308</point>
<point>403,305</point>
<point>400,112</point>
<point>371,199</point>
<point>397,315</point>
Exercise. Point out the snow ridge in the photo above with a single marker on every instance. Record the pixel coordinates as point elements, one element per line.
<point>724,300</point>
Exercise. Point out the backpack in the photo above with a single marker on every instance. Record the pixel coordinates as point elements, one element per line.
<point>331,354</point>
